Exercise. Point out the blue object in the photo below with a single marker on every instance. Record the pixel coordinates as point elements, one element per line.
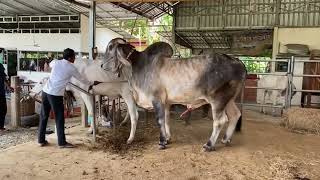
<point>90,119</point>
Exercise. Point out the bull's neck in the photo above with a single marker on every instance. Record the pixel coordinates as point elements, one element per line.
<point>139,61</point>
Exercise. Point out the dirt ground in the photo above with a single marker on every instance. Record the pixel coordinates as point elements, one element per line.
<point>263,150</point>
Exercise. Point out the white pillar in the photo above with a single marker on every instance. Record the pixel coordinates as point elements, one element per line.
<point>275,48</point>
<point>92,28</point>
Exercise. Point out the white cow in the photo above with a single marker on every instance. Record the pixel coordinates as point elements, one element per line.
<point>111,86</point>
<point>274,97</point>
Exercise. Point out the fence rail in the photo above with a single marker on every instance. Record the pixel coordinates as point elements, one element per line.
<point>292,62</point>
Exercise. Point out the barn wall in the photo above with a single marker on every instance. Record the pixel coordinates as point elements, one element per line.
<point>57,41</point>
<point>47,42</point>
<point>103,36</point>
<point>244,14</point>
<point>307,36</point>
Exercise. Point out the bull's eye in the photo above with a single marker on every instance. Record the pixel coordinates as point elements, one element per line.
<point>110,47</point>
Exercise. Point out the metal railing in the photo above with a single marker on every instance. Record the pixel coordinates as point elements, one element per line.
<point>290,74</point>
<point>305,75</point>
<point>262,104</point>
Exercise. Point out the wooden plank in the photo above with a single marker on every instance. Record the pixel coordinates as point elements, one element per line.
<point>15,103</point>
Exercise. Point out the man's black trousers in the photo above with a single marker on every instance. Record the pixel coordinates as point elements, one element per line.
<point>56,104</point>
<point>3,110</point>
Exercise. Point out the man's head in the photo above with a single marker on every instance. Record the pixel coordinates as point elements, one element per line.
<point>95,52</point>
<point>69,55</point>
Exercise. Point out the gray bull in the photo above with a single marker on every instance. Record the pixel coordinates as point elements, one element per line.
<point>159,81</point>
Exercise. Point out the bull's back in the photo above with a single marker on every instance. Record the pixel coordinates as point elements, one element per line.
<point>192,78</point>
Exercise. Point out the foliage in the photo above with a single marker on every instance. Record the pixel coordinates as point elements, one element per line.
<point>141,29</point>
<point>253,65</point>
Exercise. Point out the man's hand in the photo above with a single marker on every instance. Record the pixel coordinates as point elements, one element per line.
<point>11,89</point>
<point>90,87</point>
<point>94,84</point>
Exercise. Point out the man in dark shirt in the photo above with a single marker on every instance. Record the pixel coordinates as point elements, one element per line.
<point>3,103</point>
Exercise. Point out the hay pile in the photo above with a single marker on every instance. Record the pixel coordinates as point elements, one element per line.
<point>287,169</point>
<point>115,141</point>
<point>303,119</point>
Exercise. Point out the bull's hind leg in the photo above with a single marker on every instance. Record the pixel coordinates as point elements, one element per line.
<point>167,125</point>
<point>233,114</point>
<point>160,118</point>
<point>219,119</point>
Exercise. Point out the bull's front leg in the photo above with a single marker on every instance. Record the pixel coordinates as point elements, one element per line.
<point>219,119</point>
<point>134,115</point>
<point>167,121</point>
<point>233,114</point>
<point>160,118</point>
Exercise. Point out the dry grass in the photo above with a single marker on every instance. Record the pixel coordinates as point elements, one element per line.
<point>115,141</point>
<point>303,120</point>
<point>285,169</point>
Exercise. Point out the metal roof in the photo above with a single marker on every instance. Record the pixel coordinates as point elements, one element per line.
<point>106,13</point>
<point>115,10</point>
<point>222,40</point>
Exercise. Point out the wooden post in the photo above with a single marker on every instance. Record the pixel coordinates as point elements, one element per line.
<point>113,115</point>
<point>15,102</point>
<point>99,105</point>
<point>84,115</point>
<point>119,110</point>
<point>93,123</point>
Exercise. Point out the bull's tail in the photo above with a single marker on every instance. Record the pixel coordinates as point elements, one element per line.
<point>242,88</point>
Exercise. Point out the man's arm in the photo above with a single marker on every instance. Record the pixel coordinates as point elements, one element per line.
<point>79,77</point>
<point>6,83</point>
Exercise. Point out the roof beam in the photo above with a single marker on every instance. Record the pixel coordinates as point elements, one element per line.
<point>107,1</point>
<point>106,12</point>
<point>183,41</point>
<point>6,11</point>
<point>30,6</point>
<point>17,9</point>
<point>205,40</point>
<point>78,3</point>
<point>55,8</point>
<point>131,9</point>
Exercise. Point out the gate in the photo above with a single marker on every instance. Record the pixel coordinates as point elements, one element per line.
<point>282,86</point>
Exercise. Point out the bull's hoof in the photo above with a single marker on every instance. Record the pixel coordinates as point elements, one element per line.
<point>162,144</point>
<point>161,147</point>
<point>129,141</point>
<point>208,148</point>
<point>226,142</point>
<point>168,141</point>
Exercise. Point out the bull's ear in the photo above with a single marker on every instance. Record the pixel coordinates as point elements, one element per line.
<point>121,56</point>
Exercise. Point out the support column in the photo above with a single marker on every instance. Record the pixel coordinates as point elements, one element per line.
<point>92,28</point>
<point>15,102</point>
<point>174,31</point>
<point>18,60</point>
<point>275,48</point>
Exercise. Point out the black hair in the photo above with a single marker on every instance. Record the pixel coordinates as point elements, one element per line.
<point>68,53</point>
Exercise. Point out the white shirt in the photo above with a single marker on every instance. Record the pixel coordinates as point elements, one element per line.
<point>61,73</point>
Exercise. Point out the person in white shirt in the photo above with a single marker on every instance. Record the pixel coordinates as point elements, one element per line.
<point>52,96</point>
